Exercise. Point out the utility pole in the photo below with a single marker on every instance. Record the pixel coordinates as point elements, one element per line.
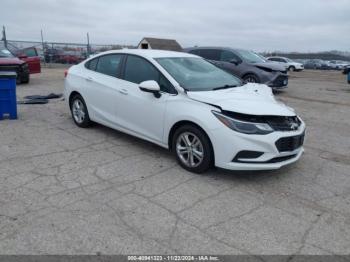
<point>88,44</point>
<point>4,36</point>
<point>42,42</point>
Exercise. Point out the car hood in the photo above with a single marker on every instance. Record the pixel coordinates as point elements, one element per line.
<point>250,99</point>
<point>10,61</point>
<point>271,65</point>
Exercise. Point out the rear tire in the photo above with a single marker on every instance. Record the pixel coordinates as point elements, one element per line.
<point>79,111</point>
<point>251,78</point>
<point>291,68</point>
<point>192,149</point>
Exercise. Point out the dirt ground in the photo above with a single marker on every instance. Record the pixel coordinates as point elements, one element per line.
<point>66,190</point>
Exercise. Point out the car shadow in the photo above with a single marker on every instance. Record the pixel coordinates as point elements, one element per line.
<point>215,173</point>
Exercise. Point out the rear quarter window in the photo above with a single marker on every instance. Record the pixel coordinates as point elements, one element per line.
<point>91,64</point>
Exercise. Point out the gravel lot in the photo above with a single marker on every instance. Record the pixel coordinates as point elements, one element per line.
<point>66,190</point>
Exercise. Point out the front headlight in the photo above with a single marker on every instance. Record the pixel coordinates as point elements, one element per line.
<point>243,126</point>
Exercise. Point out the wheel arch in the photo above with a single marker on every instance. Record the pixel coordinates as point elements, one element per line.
<point>251,73</point>
<point>71,95</point>
<point>180,123</point>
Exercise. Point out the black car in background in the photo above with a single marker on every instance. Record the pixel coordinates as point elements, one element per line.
<point>245,64</point>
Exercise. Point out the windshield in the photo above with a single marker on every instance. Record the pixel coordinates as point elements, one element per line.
<point>250,56</point>
<point>5,53</point>
<point>196,74</point>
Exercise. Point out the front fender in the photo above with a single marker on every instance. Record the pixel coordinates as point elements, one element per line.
<point>192,111</point>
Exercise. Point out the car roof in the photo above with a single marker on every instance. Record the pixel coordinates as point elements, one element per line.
<point>217,47</point>
<point>149,53</point>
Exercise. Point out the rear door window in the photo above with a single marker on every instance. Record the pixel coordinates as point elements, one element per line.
<point>109,64</point>
<point>210,54</point>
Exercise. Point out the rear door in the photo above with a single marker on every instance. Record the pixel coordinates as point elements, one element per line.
<point>30,55</point>
<point>213,55</point>
<point>210,54</point>
<point>102,85</point>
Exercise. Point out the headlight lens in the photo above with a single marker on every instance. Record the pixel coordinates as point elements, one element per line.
<point>25,66</point>
<point>242,126</point>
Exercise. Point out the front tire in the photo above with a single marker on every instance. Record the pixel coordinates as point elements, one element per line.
<point>251,78</point>
<point>79,111</point>
<point>192,149</point>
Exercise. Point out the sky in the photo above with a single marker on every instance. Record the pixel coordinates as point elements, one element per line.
<point>260,25</point>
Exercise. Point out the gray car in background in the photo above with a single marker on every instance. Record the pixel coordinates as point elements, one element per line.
<point>245,64</point>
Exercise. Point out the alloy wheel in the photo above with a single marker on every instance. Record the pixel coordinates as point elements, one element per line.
<point>189,149</point>
<point>78,110</point>
<point>250,79</point>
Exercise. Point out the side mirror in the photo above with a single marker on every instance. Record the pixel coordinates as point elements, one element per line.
<point>150,86</point>
<point>235,61</point>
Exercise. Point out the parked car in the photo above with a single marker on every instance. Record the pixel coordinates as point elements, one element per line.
<point>245,64</point>
<point>203,114</point>
<point>69,57</point>
<point>314,64</point>
<point>30,55</point>
<point>52,54</point>
<point>8,62</point>
<point>338,65</point>
<point>288,63</point>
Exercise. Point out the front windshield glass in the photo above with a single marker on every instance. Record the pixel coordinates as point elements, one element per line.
<point>196,74</point>
<point>250,56</point>
<point>5,53</point>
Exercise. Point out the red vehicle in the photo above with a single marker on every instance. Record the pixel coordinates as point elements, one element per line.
<point>8,62</point>
<point>30,55</point>
<point>69,57</point>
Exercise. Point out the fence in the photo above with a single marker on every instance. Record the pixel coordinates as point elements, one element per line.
<point>56,52</point>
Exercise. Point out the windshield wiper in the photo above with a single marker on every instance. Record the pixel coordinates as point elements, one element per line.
<point>224,87</point>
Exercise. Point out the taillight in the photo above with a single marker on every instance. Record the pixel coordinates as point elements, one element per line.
<point>65,73</point>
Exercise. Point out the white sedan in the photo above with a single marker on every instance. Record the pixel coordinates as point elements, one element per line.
<point>288,63</point>
<point>179,101</point>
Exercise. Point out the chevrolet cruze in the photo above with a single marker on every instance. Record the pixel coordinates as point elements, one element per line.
<point>204,115</point>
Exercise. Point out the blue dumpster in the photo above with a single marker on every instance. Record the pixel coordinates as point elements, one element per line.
<point>8,102</point>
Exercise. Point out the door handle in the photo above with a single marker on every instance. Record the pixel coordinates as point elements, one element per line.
<point>89,78</point>
<point>123,91</point>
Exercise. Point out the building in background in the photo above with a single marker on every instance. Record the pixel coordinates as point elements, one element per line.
<point>158,43</point>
